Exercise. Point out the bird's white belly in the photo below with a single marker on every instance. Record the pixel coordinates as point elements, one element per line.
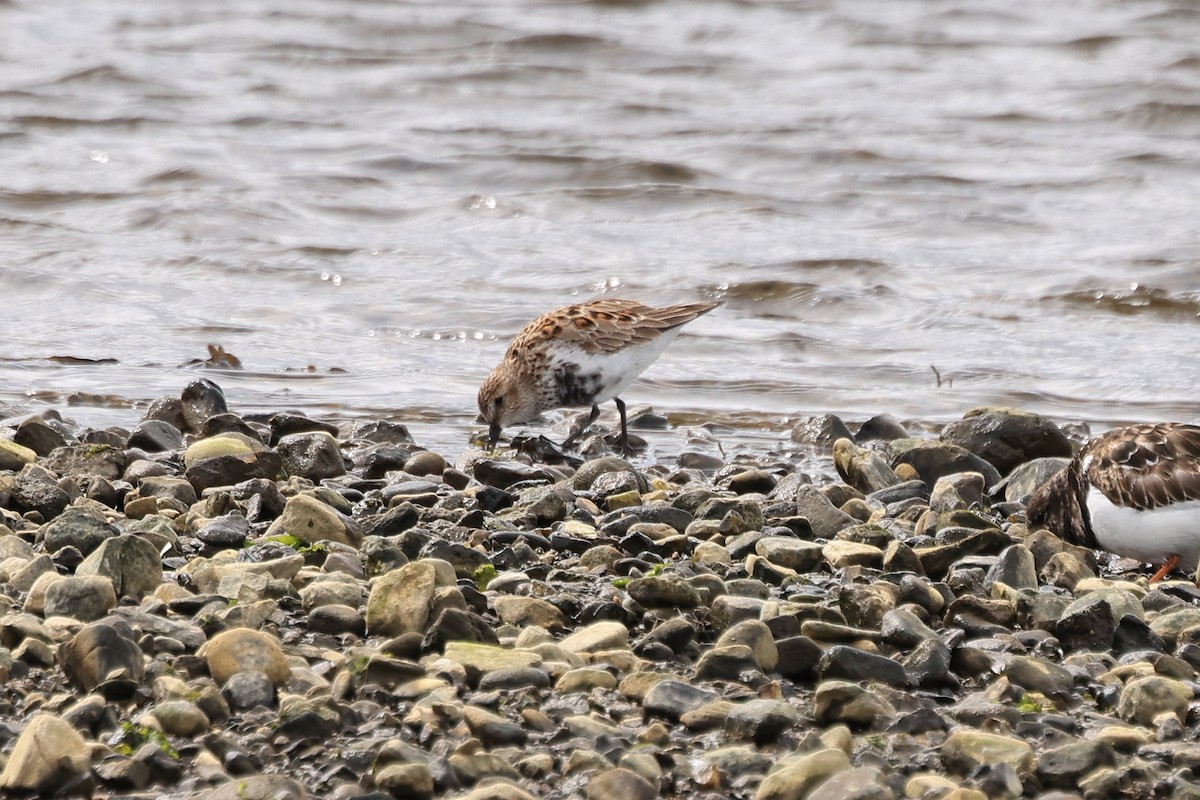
<point>1148,536</point>
<point>618,370</point>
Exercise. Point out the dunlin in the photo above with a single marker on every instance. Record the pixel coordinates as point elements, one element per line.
<point>579,356</point>
<point>1135,492</point>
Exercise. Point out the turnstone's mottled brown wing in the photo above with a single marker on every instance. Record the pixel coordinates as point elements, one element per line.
<point>1146,466</point>
<point>606,326</point>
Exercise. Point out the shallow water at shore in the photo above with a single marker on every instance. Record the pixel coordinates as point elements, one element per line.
<point>364,201</point>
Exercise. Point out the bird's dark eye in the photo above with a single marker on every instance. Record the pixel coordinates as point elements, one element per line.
<point>499,402</point>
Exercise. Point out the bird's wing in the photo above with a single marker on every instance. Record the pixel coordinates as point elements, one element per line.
<point>1146,466</point>
<point>606,326</point>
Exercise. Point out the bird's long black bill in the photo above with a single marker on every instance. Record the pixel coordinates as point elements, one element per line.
<point>493,435</point>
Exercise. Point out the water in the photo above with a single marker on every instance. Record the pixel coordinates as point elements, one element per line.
<point>364,200</point>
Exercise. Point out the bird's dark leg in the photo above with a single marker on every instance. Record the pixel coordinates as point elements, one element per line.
<point>624,430</point>
<point>1167,566</point>
<point>579,429</point>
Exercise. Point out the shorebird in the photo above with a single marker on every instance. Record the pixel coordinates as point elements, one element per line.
<point>579,356</point>
<point>1133,491</point>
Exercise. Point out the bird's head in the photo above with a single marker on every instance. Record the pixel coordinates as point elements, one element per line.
<point>503,400</point>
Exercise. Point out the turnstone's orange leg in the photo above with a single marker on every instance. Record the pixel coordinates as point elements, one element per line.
<point>583,426</point>
<point>1170,564</point>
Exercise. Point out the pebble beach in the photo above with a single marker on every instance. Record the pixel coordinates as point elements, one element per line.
<point>217,605</point>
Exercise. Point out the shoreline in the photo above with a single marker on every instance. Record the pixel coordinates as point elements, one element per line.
<point>218,605</point>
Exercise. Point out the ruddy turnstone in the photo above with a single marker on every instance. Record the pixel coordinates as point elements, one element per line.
<point>1135,492</point>
<point>579,356</point>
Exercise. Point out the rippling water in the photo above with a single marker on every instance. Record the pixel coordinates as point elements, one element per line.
<point>364,200</point>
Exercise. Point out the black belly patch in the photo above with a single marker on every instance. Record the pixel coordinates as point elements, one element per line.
<point>574,388</point>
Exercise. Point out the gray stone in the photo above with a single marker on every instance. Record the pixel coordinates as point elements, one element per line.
<point>826,520</point>
<point>1144,699</point>
<point>784,551</point>
<point>33,493</point>
<point>131,563</point>
<point>1007,437</point>
<point>865,470</point>
<point>82,598</point>
<point>762,721</point>
<point>1015,568</point>
<point>201,399</point>
<point>1066,765</point>
<point>620,784</point>
<point>672,699</point>
<point>757,636</point>
<point>850,663</point>
<point>313,455</point>
<point>156,436</point>
<point>795,778</point>
<point>312,521</point>
<point>48,754</point>
<point>863,783</point>
<point>100,653</point>
<point>965,750</point>
<point>842,701</point>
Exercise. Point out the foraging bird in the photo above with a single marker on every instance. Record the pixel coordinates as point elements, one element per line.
<point>579,356</point>
<point>1133,491</point>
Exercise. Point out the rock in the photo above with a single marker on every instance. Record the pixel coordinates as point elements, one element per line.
<point>49,755</point>
<point>201,399</point>
<point>313,455</point>
<point>863,469</point>
<point>156,436</point>
<point>850,663</point>
<point>248,689</point>
<point>485,658</point>
<point>1064,766</point>
<point>14,457</point>
<point>130,564</point>
<point>229,530</point>
<point>822,430</point>
<point>457,624</point>
<point>597,636</point>
<point>826,520</point>
<point>180,718</point>
<point>29,492</point>
<point>1039,675</point>
<point>1024,480</point>
<point>401,600</point>
<point>592,470</point>
<point>842,701</point>
<point>863,783</point>
<point>796,777</point>
<point>84,599</point>
<point>102,654</point>
<point>414,781</point>
<point>101,460</point>
<point>522,611</point>
<point>761,721</point>
<point>756,636</point>
<point>933,460</point>
<point>620,784</point>
<point>243,649</point>
<point>42,435</point>
<point>655,591</point>
<point>1015,568</point>
<point>791,553</point>
<point>256,787</point>
<point>311,521</point>
<point>966,749</point>
<point>672,699</point>
<point>1006,437</point>
<point>164,486</point>
<point>1144,699</point>
<point>80,528</point>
